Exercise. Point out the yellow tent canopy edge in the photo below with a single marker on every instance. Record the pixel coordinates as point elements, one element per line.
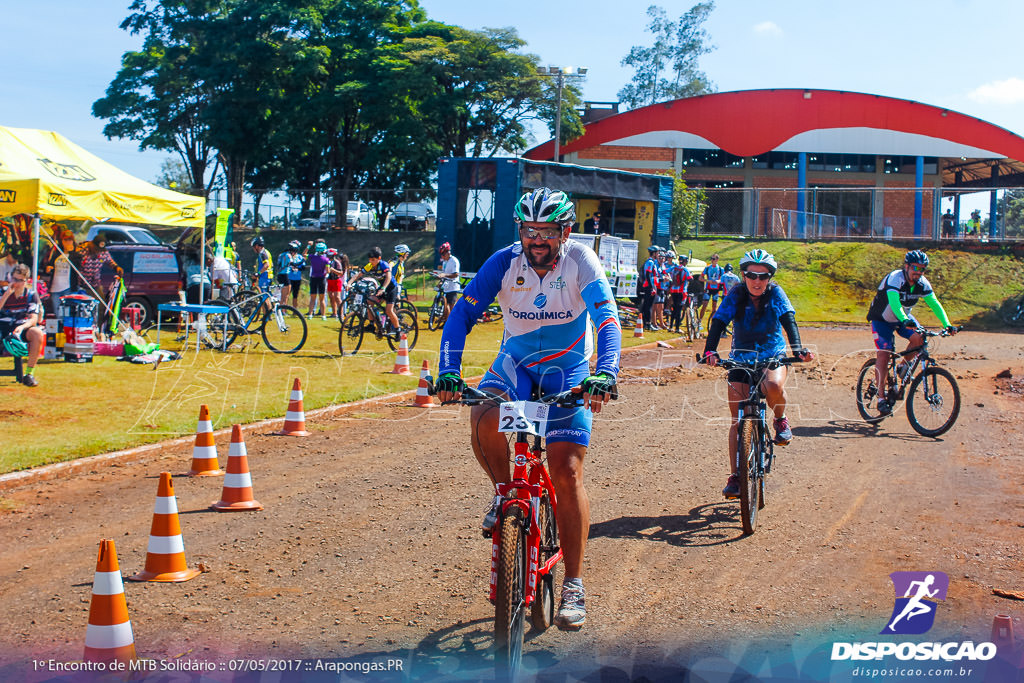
<point>43,172</point>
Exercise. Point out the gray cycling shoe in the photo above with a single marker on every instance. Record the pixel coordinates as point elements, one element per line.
<point>572,611</point>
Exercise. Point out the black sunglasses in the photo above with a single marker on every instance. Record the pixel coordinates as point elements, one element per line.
<point>756,276</point>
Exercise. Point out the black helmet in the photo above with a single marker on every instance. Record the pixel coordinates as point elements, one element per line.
<point>256,241</point>
<point>916,256</point>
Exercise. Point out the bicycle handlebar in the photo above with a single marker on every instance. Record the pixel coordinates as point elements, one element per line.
<point>471,396</point>
<point>770,364</point>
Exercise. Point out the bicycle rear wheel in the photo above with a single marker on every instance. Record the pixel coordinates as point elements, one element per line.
<point>216,337</point>
<point>284,329</point>
<point>748,445</point>
<point>407,324</point>
<point>510,604</point>
<point>933,402</point>
<point>867,394</point>
<point>542,612</point>
<point>350,336</point>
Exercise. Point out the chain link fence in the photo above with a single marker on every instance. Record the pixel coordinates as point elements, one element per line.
<point>863,213</point>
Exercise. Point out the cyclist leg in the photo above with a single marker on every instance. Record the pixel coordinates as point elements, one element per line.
<point>774,387</point>
<point>282,279</point>
<point>391,298</point>
<point>885,342</point>
<point>739,389</point>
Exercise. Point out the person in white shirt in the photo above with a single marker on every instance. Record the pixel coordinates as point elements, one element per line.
<point>450,272</point>
<point>60,270</point>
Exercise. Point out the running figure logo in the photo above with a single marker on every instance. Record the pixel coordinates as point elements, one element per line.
<point>916,596</point>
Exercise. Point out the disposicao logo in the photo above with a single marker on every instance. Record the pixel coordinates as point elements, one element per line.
<point>917,595</point>
<point>541,301</point>
<point>913,613</point>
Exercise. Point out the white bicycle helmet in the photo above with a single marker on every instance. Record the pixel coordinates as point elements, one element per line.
<point>545,206</point>
<point>402,249</point>
<point>759,257</point>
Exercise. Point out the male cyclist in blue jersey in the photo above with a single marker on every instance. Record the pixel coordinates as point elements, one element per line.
<point>890,315</point>
<point>556,301</point>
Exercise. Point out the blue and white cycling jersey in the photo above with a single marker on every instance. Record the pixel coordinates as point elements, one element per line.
<point>547,319</point>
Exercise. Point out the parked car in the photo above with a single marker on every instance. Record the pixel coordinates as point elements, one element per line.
<point>360,216</point>
<point>412,216</point>
<point>155,273</point>
<point>119,233</point>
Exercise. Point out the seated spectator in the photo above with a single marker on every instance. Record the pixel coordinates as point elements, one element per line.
<point>19,319</point>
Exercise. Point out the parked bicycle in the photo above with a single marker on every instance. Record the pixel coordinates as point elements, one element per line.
<point>282,327</point>
<point>755,448</point>
<point>366,316</point>
<point>694,330</point>
<point>524,548</point>
<point>933,396</point>
<point>435,317</point>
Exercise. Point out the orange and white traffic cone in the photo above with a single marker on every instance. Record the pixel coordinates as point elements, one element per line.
<point>108,635</point>
<point>204,453</point>
<point>237,493</point>
<point>423,399</point>
<point>638,331</point>
<point>165,556</point>
<point>402,358</point>
<point>295,418</point>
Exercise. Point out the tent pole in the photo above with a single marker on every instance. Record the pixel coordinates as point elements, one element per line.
<point>35,254</point>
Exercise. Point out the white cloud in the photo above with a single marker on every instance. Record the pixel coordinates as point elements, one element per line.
<point>1010,91</point>
<point>768,28</point>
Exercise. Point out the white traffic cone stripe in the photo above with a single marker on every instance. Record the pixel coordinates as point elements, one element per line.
<point>296,395</point>
<point>294,417</point>
<point>237,449</point>
<point>107,583</point>
<point>106,637</point>
<point>165,506</point>
<point>204,426</point>
<point>204,452</point>
<point>165,545</point>
<point>237,481</point>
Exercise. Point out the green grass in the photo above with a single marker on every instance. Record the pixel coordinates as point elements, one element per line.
<point>835,281</point>
<point>90,408</point>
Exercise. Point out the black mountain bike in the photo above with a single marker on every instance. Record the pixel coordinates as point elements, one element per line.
<point>366,316</point>
<point>933,396</point>
<point>755,448</point>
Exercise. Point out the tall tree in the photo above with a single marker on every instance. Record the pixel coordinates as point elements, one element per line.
<point>669,69</point>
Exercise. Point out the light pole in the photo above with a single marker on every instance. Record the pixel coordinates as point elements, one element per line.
<point>560,72</point>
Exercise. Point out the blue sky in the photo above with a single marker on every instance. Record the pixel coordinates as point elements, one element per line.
<point>58,56</point>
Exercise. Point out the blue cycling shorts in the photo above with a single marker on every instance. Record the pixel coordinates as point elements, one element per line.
<point>263,282</point>
<point>884,333</point>
<point>517,381</point>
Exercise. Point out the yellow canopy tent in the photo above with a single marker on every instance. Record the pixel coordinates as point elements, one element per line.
<point>44,174</point>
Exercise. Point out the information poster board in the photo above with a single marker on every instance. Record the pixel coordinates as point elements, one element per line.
<point>608,253</point>
<point>589,240</point>
<point>628,276</point>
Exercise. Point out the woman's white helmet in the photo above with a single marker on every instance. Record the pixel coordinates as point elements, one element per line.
<point>402,249</point>
<point>759,257</point>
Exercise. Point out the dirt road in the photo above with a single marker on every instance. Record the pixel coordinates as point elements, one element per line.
<point>368,548</point>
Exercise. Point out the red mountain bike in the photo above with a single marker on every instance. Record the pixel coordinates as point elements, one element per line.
<point>524,546</point>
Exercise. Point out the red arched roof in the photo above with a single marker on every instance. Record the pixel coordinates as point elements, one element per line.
<point>751,122</point>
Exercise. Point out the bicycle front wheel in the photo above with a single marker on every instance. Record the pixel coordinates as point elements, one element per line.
<point>867,394</point>
<point>407,324</point>
<point>542,613</point>
<point>748,447</point>
<point>284,329</point>
<point>436,311</point>
<point>350,336</point>
<point>933,402</point>
<point>406,305</point>
<point>510,604</point>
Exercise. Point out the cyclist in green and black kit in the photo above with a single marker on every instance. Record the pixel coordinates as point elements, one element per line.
<point>890,314</point>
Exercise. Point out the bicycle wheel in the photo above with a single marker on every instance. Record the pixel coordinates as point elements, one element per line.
<point>747,448</point>
<point>350,336</point>
<point>510,605</point>
<point>407,324</point>
<point>692,329</point>
<point>867,394</point>
<point>436,311</point>
<point>933,402</point>
<point>1014,315</point>
<point>216,337</point>
<point>542,612</point>
<point>406,305</point>
<point>284,330</point>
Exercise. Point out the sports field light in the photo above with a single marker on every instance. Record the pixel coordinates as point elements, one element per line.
<point>560,73</point>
